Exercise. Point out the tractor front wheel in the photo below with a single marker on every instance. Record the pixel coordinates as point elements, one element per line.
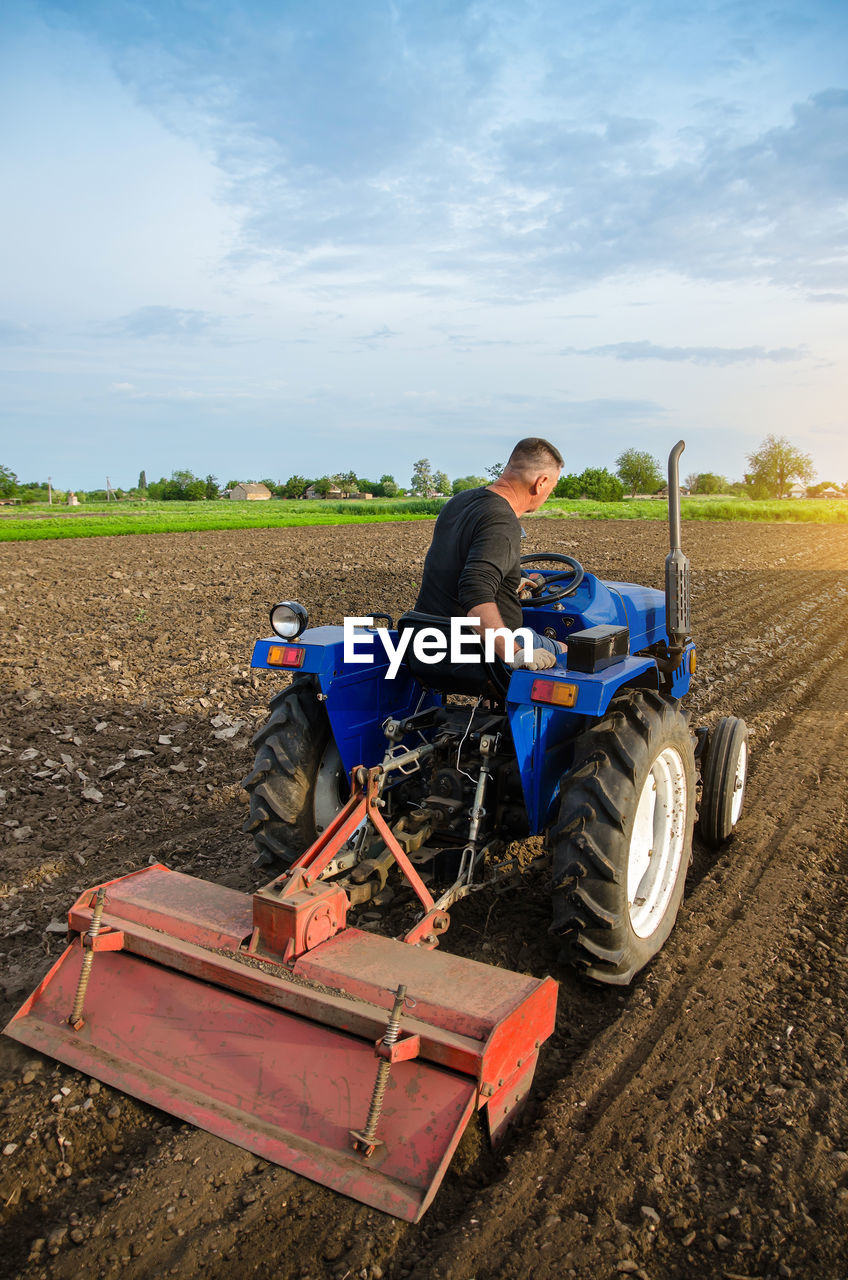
<point>723,776</point>
<point>298,784</point>
<point>623,841</point>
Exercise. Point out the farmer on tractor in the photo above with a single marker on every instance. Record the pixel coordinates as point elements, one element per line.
<point>473,570</point>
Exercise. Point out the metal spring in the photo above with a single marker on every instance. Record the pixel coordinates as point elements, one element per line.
<point>76,1018</point>
<point>384,1068</point>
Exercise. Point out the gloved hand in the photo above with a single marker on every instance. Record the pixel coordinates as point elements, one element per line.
<point>537,660</point>
<point>527,586</point>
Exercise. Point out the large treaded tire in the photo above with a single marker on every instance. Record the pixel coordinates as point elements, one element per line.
<point>641,751</point>
<point>292,748</point>
<point>724,775</point>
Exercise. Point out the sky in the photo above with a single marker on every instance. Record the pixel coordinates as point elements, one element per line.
<point>310,236</point>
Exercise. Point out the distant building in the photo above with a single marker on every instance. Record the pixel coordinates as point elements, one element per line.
<point>332,492</point>
<point>797,491</point>
<point>73,500</point>
<point>250,493</point>
<point>662,492</point>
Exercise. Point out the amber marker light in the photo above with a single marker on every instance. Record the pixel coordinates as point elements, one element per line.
<point>285,655</point>
<point>693,662</point>
<point>554,692</point>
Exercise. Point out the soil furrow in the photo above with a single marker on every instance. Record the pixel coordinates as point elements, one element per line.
<point>661,1055</point>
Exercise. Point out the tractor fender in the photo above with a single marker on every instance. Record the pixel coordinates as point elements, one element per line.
<point>543,734</point>
<point>357,696</point>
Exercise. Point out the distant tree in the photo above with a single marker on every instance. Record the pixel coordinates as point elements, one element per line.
<point>595,482</point>
<point>323,486</point>
<point>231,484</point>
<point>638,471</point>
<point>211,487</point>
<point>757,487</point>
<point>184,486</point>
<point>707,482</point>
<point>568,486</point>
<point>775,465</point>
<point>422,477</point>
<point>347,481</point>
<point>31,491</point>
<point>495,472</point>
<point>385,488</point>
<point>142,482</point>
<point>8,482</point>
<point>600,485</point>
<point>295,486</point>
<point>468,482</point>
<point>441,483</point>
<point>816,490</point>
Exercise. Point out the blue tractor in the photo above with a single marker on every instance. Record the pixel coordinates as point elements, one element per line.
<point>260,1016</point>
<point>597,755</point>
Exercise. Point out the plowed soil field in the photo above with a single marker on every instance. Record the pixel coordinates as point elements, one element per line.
<point>694,1125</point>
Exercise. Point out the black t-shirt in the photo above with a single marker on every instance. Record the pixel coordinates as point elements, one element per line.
<point>473,558</point>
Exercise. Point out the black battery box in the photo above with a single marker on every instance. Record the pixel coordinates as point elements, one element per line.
<point>597,647</point>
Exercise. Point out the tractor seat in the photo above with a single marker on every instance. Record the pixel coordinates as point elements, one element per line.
<point>474,678</point>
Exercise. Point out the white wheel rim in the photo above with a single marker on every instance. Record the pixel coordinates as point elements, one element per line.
<point>739,784</point>
<point>656,842</point>
<point>329,782</point>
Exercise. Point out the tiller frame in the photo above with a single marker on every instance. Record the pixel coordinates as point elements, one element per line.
<point>344,1055</point>
<point>298,911</point>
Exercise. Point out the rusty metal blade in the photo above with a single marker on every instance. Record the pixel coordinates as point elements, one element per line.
<point>274,1082</point>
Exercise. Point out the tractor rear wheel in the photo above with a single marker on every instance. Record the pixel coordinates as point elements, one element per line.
<point>298,784</point>
<point>623,840</point>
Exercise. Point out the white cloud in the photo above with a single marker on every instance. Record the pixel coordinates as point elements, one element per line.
<point>170,323</point>
<point>721,356</point>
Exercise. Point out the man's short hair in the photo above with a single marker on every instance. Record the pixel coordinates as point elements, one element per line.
<point>534,454</point>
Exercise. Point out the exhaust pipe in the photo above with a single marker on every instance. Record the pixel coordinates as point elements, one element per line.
<point>677,620</point>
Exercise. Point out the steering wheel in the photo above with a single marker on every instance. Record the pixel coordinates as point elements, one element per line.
<point>548,592</point>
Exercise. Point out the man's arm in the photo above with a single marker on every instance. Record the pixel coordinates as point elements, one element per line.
<point>490,618</point>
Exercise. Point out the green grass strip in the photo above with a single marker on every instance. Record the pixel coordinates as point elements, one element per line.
<point>772,511</point>
<point>40,521</point>
<point>99,519</point>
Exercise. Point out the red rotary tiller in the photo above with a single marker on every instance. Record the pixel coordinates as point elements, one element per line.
<point>352,1058</point>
